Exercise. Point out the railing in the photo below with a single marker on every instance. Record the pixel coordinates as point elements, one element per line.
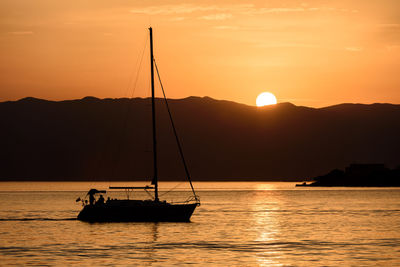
<point>191,199</point>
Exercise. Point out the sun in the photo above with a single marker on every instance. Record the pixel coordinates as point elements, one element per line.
<point>265,98</point>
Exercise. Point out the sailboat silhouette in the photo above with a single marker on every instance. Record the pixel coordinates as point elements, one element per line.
<point>153,210</point>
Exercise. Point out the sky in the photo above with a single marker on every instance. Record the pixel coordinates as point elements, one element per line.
<point>312,53</point>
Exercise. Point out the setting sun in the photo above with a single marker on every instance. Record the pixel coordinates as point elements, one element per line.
<point>265,99</point>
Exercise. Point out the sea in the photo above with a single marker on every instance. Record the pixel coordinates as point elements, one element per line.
<point>237,224</point>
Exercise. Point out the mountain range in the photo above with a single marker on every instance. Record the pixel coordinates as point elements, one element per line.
<point>110,139</point>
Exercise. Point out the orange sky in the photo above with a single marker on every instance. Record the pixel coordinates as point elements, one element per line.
<point>313,53</point>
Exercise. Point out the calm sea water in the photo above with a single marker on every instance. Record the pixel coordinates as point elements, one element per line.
<point>238,224</point>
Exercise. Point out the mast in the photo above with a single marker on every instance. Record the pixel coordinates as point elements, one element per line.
<point>153,116</point>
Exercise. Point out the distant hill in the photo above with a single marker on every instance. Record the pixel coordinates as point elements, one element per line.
<point>94,139</point>
<point>359,175</point>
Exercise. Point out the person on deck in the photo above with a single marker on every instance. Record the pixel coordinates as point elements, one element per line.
<point>101,200</point>
<point>92,200</point>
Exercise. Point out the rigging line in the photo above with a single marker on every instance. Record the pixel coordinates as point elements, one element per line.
<point>125,121</point>
<point>173,188</point>
<point>102,159</point>
<point>175,133</point>
<point>138,65</point>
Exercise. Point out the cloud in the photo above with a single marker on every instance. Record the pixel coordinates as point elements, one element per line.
<point>354,49</point>
<point>389,26</point>
<point>221,16</point>
<point>21,33</point>
<point>255,11</point>
<point>174,9</point>
<point>177,19</point>
<point>393,47</point>
<point>244,9</point>
<point>226,27</point>
<point>280,10</point>
<point>286,45</point>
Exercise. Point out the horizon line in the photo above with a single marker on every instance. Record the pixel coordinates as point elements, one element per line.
<point>199,97</point>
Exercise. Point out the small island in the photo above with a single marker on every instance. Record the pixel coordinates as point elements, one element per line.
<point>359,175</point>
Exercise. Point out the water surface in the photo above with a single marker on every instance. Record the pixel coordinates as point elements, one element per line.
<point>252,224</point>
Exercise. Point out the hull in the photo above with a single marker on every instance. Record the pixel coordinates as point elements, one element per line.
<point>137,211</point>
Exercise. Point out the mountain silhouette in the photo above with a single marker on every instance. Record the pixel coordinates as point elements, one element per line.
<point>95,139</point>
<point>356,175</point>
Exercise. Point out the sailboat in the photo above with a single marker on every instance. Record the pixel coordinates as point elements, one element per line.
<point>151,210</point>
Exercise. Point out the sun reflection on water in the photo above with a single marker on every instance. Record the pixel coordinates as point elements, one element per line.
<point>266,226</point>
